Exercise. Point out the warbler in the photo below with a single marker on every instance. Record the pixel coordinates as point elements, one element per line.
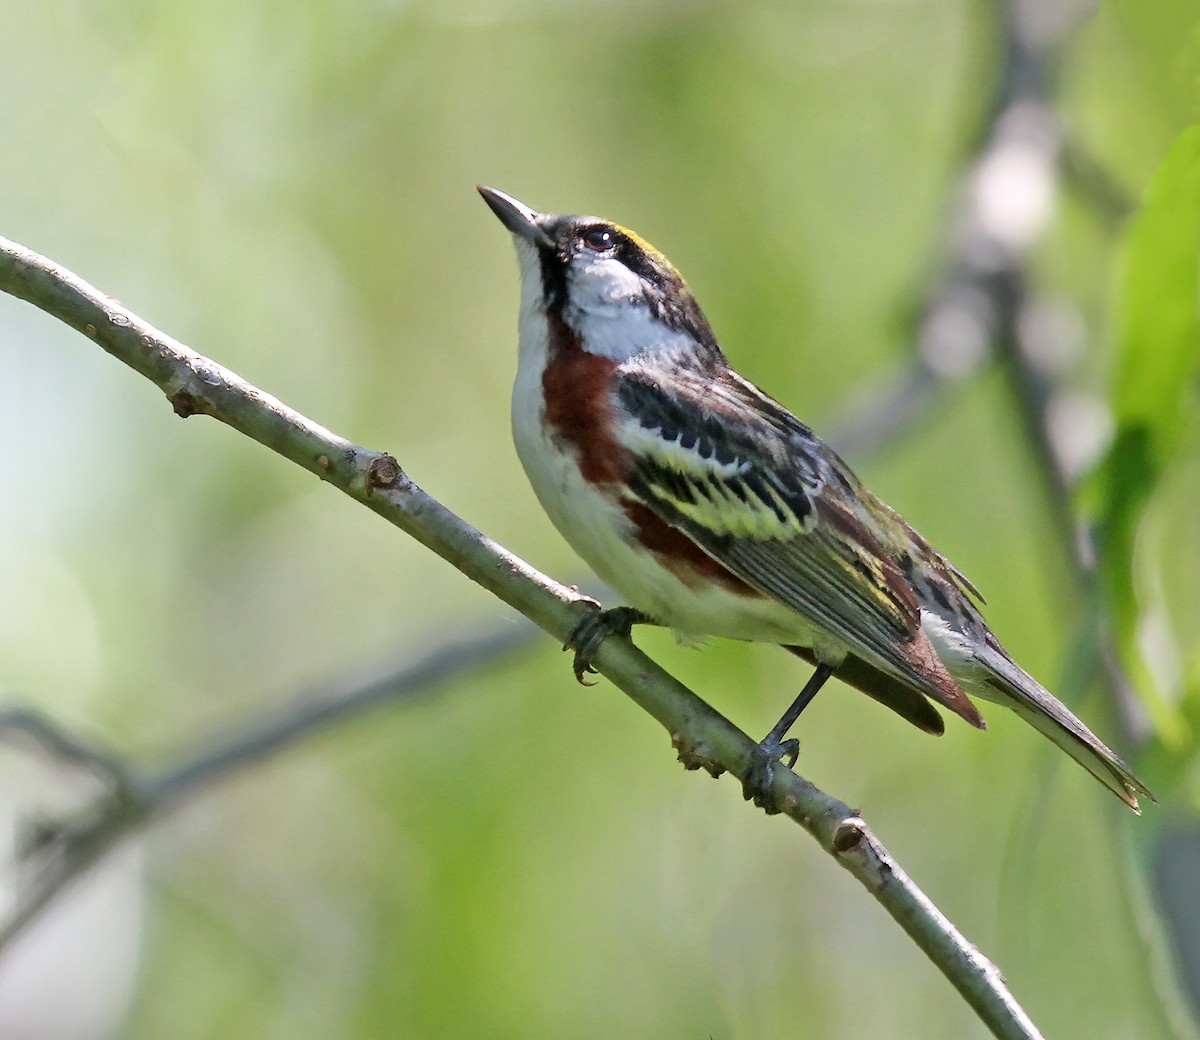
<point>711,509</point>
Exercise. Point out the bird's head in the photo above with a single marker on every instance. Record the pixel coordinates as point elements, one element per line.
<point>618,293</point>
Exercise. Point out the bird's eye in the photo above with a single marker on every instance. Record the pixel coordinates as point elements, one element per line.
<point>599,239</point>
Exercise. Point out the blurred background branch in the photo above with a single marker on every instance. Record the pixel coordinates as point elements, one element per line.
<point>1004,205</point>
<point>131,798</point>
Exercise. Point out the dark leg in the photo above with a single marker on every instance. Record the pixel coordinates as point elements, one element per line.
<point>596,626</point>
<point>756,785</point>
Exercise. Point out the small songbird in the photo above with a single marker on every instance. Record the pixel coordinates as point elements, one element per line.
<point>714,511</point>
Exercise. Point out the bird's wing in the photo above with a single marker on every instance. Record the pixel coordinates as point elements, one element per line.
<point>758,491</point>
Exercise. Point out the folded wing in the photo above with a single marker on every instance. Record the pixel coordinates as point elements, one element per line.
<point>760,493</point>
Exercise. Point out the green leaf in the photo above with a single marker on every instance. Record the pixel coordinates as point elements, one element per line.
<point>1158,331</point>
<point>1154,389</point>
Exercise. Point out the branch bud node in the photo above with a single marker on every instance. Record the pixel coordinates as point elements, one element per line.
<point>384,472</point>
<point>848,836</point>
<point>185,404</point>
<point>696,756</point>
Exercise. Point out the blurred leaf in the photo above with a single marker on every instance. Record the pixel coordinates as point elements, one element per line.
<point>1153,393</point>
<point>1158,311</point>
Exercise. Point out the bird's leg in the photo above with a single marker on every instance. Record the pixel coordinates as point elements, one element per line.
<point>756,784</point>
<point>596,626</point>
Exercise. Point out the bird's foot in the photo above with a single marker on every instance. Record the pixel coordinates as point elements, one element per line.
<point>760,771</point>
<point>593,628</point>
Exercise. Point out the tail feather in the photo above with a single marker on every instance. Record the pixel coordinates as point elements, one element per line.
<point>1014,688</point>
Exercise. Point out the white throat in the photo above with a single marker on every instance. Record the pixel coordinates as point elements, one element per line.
<point>606,309</point>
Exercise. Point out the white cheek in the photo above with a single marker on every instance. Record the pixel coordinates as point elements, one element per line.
<point>609,312</point>
<point>598,281</point>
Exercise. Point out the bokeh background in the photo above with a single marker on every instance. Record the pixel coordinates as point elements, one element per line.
<point>288,188</point>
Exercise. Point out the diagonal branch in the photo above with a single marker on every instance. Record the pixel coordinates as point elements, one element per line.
<point>703,737</point>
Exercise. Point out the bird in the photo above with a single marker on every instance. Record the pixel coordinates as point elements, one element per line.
<point>714,511</point>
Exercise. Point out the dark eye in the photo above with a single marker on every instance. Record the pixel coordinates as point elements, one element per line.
<point>599,239</point>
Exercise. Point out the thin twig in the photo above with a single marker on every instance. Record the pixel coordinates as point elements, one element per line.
<point>134,798</point>
<point>349,696</point>
<point>705,739</point>
<point>1095,184</point>
<point>1026,129</point>
<point>18,721</point>
<point>1004,203</point>
<point>878,415</point>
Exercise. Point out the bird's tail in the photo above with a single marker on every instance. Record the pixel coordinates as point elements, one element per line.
<point>1019,691</point>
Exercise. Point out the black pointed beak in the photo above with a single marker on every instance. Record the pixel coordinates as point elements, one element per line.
<point>517,217</point>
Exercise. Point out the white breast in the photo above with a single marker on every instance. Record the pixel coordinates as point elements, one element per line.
<point>596,527</point>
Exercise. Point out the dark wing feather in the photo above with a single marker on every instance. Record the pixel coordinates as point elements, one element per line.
<point>889,691</point>
<point>761,494</point>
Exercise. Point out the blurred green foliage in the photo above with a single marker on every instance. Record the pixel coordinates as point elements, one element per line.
<point>1154,391</point>
<point>287,187</point>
